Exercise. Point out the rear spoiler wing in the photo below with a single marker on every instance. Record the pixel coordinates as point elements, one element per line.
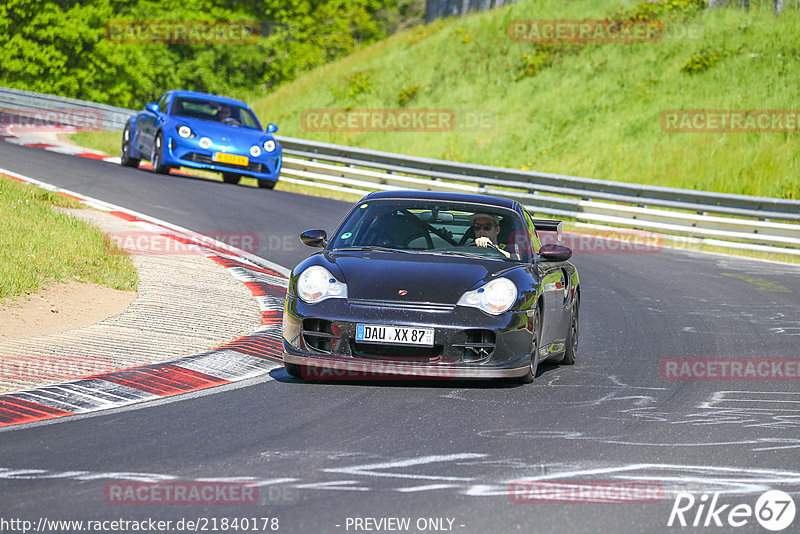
<point>548,225</point>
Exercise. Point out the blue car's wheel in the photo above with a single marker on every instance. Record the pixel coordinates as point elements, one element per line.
<point>263,184</point>
<point>157,156</point>
<point>125,158</point>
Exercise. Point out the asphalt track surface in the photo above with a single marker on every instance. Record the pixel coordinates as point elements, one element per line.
<point>326,453</point>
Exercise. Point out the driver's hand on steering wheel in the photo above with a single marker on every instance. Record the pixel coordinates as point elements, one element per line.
<point>484,241</point>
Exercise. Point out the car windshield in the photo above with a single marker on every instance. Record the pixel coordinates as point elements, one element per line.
<point>209,110</point>
<point>434,227</point>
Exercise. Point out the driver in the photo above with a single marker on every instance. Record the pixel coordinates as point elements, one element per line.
<point>224,113</point>
<point>486,228</point>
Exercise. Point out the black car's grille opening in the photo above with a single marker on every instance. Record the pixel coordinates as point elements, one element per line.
<point>479,345</point>
<point>207,160</point>
<point>320,335</point>
<point>401,305</point>
<point>396,352</point>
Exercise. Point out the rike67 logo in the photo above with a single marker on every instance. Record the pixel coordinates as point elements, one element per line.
<point>774,510</point>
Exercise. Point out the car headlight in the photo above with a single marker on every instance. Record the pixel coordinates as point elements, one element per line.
<point>255,151</point>
<point>269,145</point>
<point>494,297</point>
<point>205,142</point>
<point>317,283</point>
<point>185,132</point>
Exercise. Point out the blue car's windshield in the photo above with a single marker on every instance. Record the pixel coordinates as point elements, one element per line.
<point>434,226</point>
<point>214,111</point>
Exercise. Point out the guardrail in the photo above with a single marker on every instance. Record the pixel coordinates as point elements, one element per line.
<point>755,221</point>
<point>740,221</point>
<point>103,117</point>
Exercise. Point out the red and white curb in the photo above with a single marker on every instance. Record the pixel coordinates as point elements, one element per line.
<point>249,356</point>
<point>48,140</point>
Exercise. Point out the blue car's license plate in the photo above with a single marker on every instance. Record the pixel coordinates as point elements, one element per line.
<point>395,335</point>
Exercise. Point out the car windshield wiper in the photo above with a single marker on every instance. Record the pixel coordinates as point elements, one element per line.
<point>474,255</point>
<point>463,253</point>
<point>373,247</point>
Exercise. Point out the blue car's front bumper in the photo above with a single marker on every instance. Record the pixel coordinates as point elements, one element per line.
<point>188,153</point>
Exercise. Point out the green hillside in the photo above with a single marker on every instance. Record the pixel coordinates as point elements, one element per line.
<point>588,109</point>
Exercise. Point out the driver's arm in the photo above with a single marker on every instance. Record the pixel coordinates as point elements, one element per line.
<point>485,242</point>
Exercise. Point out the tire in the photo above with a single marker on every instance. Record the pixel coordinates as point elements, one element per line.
<point>527,378</point>
<point>157,156</point>
<point>263,184</point>
<point>571,352</point>
<point>230,178</point>
<point>125,158</point>
<point>292,368</point>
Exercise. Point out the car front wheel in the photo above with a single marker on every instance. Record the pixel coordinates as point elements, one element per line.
<point>157,156</point>
<point>230,178</point>
<point>125,158</point>
<point>527,378</point>
<point>292,368</point>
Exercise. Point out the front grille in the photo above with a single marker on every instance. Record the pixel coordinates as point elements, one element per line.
<point>402,305</point>
<point>479,345</point>
<point>206,159</point>
<point>396,352</point>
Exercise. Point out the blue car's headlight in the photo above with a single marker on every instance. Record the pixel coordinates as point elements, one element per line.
<point>205,142</point>
<point>269,145</point>
<point>185,132</point>
<point>255,151</point>
<point>316,284</point>
<point>494,297</point>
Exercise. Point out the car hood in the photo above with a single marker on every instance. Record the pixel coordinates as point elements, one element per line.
<point>424,277</point>
<point>224,133</point>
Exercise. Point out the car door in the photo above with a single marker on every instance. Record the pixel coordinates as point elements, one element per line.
<point>555,283</point>
<point>146,125</point>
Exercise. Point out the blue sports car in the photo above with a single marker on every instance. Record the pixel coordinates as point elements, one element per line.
<point>203,131</point>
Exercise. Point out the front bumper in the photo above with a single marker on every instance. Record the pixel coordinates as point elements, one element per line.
<point>467,342</point>
<point>361,369</point>
<point>187,153</point>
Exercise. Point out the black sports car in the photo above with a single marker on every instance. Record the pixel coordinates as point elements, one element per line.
<point>436,285</point>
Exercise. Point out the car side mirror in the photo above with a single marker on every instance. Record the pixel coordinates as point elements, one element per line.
<point>152,107</point>
<point>314,238</point>
<point>271,128</point>
<point>552,252</point>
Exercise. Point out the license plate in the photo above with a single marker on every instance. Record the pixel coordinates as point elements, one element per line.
<point>222,157</point>
<point>395,335</point>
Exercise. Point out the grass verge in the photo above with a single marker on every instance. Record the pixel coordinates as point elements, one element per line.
<point>106,141</point>
<point>40,245</point>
